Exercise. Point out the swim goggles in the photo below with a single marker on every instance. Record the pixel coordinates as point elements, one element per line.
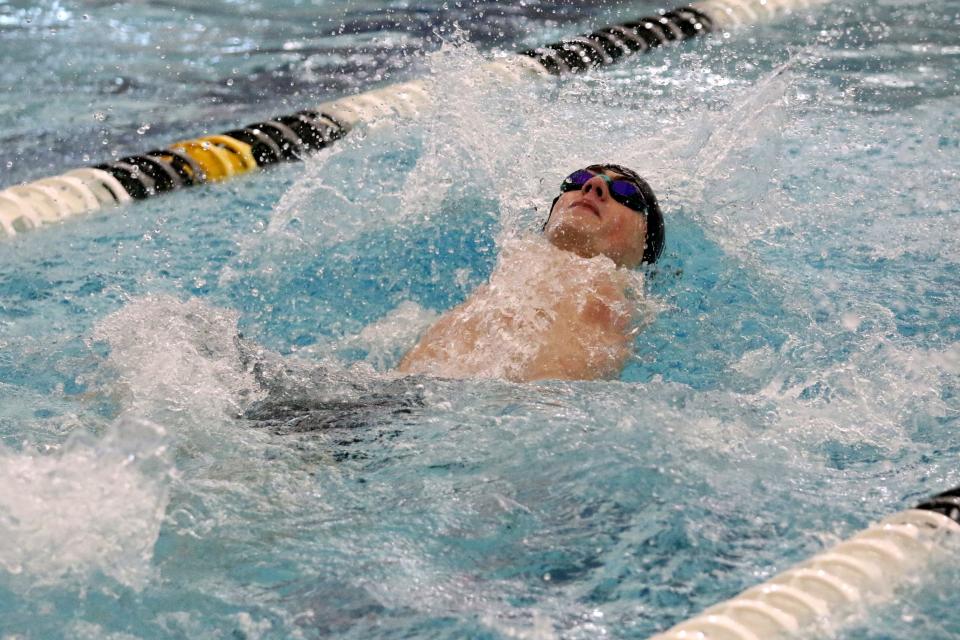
<point>623,191</point>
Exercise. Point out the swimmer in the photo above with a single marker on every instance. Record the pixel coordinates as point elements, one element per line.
<point>561,309</point>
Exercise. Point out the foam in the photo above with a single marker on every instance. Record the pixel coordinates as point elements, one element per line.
<point>387,339</point>
<point>516,142</point>
<point>175,360</point>
<point>96,505</point>
<point>515,313</point>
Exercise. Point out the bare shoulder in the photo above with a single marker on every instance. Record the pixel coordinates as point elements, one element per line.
<point>607,301</point>
<point>454,329</point>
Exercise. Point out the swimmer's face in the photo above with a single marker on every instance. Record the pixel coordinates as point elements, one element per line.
<point>589,222</point>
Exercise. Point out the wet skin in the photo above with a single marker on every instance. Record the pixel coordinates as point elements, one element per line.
<point>547,313</point>
<point>590,222</point>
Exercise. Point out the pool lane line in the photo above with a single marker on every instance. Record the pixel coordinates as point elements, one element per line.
<point>828,585</point>
<point>214,158</point>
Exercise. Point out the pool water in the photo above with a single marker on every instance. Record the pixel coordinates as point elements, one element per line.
<point>798,379</point>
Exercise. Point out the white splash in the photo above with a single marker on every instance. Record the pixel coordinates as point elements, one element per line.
<point>387,339</point>
<point>174,359</point>
<point>96,505</point>
<point>513,143</point>
<point>528,319</point>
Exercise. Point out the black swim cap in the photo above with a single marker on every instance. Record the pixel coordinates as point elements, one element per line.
<point>653,243</point>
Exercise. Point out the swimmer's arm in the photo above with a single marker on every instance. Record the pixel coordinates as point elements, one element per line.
<point>453,332</point>
<point>427,347</point>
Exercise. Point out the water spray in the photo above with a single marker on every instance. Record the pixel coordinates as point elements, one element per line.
<point>862,569</point>
<point>214,158</point>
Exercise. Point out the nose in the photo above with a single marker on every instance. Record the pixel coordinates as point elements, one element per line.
<point>598,186</point>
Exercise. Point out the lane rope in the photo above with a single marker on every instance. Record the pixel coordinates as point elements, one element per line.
<point>795,601</point>
<point>214,158</point>
<point>830,584</point>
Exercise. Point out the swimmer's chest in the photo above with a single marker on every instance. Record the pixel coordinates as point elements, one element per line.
<point>579,309</point>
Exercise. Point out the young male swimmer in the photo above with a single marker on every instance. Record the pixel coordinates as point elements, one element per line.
<point>562,309</point>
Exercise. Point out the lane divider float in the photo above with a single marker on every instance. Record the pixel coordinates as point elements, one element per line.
<point>830,584</point>
<point>214,158</point>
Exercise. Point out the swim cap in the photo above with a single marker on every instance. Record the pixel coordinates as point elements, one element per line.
<point>653,243</point>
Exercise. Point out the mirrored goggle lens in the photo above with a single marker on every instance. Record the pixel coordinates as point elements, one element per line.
<point>629,195</point>
<point>626,193</point>
<point>575,180</point>
<point>625,189</point>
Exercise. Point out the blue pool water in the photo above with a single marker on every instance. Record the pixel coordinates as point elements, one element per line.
<point>797,380</point>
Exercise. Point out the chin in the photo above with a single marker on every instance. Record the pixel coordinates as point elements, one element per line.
<point>574,223</point>
<point>572,238</point>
